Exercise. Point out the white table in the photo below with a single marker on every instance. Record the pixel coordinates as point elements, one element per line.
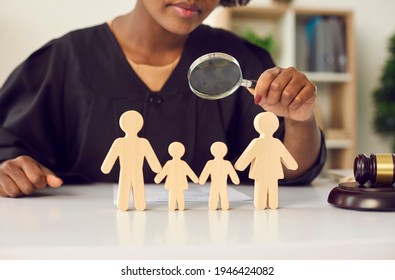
<point>81,222</point>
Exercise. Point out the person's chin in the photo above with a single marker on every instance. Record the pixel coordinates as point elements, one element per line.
<point>182,28</point>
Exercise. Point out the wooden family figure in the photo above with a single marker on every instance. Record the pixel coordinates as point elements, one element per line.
<point>265,154</point>
<point>219,170</point>
<point>176,172</point>
<point>131,151</point>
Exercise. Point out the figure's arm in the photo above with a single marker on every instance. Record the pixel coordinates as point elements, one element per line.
<point>232,174</point>
<point>205,174</point>
<point>161,174</point>
<point>151,157</point>
<point>191,174</point>
<point>287,159</point>
<point>111,157</point>
<point>288,93</point>
<point>246,157</point>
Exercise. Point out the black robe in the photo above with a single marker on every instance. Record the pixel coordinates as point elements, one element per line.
<point>62,105</point>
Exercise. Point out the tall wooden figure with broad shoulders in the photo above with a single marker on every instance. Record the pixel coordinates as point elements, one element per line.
<point>131,151</point>
<point>219,169</point>
<point>177,172</point>
<point>265,154</point>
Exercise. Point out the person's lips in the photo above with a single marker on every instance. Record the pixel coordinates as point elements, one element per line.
<point>185,9</point>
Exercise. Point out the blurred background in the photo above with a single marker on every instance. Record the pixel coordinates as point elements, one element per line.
<point>342,45</point>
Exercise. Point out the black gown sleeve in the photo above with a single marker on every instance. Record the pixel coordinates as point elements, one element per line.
<point>30,108</point>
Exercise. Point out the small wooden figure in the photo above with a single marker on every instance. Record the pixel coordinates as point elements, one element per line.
<point>266,155</point>
<point>177,172</point>
<point>131,151</point>
<point>219,170</point>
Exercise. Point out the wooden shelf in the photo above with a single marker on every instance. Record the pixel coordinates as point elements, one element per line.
<point>329,77</point>
<point>338,143</point>
<point>267,13</point>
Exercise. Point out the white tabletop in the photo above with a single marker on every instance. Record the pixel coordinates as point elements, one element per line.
<point>81,222</point>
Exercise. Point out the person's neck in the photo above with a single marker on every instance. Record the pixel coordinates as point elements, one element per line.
<point>145,42</point>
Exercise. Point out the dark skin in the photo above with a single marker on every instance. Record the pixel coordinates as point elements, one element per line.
<point>154,33</point>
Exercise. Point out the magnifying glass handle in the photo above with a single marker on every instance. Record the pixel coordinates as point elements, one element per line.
<point>248,83</point>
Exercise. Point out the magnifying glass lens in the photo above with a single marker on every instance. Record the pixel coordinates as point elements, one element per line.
<point>215,76</point>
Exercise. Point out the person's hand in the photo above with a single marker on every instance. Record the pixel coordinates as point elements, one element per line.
<point>286,92</point>
<point>23,176</point>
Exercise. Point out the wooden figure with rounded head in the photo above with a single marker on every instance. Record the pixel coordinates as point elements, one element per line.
<point>177,172</point>
<point>265,154</point>
<point>219,169</point>
<point>131,151</point>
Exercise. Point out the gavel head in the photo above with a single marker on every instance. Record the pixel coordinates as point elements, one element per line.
<point>377,169</point>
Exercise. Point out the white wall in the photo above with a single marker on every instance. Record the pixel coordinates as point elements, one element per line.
<point>27,24</point>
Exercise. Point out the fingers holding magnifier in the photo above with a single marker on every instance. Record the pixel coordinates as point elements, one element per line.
<point>264,84</point>
<point>284,91</point>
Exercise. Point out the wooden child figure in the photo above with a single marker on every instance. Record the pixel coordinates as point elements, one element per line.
<point>131,151</point>
<point>177,172</point>
<point>219,170</point>
<point>265,154</point>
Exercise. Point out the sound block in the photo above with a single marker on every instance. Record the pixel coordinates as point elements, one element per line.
<point>358,197</point>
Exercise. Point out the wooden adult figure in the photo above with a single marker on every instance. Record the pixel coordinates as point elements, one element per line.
<point>265,154</point>
<point>177,172</point>
<point>219,170</point>
<point>131,151</point>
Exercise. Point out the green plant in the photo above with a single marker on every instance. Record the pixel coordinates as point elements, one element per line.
<point>384,97</point>
<point>266,42</point>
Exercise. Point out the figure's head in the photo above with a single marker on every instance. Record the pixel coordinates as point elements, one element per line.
<point>219,149</point>
<point>266,123</point>
<point>176,150</point>
<point>131,122</point>
<point>181,17</point>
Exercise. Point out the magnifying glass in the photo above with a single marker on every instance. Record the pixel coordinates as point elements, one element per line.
<point>216,75</point>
